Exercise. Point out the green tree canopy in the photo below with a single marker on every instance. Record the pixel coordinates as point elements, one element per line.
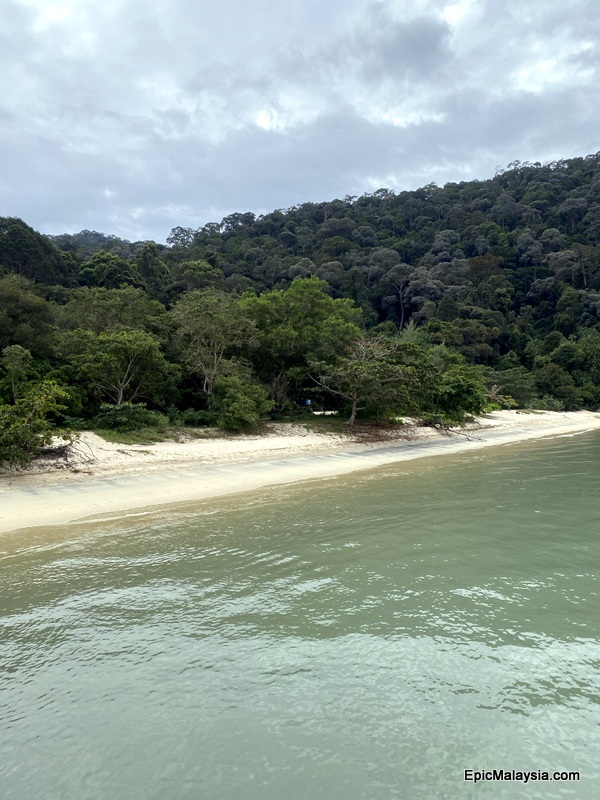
<point>99,309</point>
<point>296,326</point>
<point>110,271</point>
<point>119,365</point>
<point>211,327</point>
<point>31,255</point>
<point>25,318</point>
<point>371,373</point>
<point>16,360</point>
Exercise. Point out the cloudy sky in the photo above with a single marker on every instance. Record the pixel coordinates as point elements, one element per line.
<point>133,116</point>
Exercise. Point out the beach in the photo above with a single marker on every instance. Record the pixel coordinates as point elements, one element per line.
<point>101,480</point>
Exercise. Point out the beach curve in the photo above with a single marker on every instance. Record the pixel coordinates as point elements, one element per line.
<point>139,478</point>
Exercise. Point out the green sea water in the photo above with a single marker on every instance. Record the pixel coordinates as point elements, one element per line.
<point>368,637</point>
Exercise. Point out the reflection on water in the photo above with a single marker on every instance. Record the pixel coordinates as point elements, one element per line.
<point>368,637</point>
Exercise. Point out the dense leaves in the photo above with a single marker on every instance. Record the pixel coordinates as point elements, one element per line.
<point>435,301</point>
<point>372,373</point>
<point>118,365</point>
<point>296,326</point>
<point>211,327</point>
<point>24,426</point>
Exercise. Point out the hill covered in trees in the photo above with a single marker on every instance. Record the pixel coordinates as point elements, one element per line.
<point>435,301</point>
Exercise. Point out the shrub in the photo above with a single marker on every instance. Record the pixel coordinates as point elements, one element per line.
<point>24,427</point>
<point>238,404</point>
<point>548,403</point>
<point>129,417</point>
<point>196,419</point>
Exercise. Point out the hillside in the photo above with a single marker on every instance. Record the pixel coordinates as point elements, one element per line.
<point>492,283</point>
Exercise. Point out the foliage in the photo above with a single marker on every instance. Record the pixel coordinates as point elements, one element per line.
<point>128,417</point>
<point>110,272</point>
<point>239,403</point>
<point>210,326</point>
<point>515,383</point>
<point>16,360</point>
<point>99,309</point>
<point>371,373</point>
<point>499,275</point>
<point>119,365</point>
<point>449,388</point>
<point>27,253</point>
<point>24,427</point>
<point>296,327</point>
<point>190,275</point>
<point>188,417</point>
<point>25,318</point>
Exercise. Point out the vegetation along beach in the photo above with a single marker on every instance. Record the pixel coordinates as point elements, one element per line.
<point>270,466</point>
<point>438,304</point>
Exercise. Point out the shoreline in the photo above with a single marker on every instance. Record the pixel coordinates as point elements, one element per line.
<point>105,480</point>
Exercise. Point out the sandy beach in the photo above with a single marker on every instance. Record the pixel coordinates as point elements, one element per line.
<point>100,479</point>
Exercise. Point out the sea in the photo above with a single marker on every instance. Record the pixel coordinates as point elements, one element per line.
<point>429,629</point>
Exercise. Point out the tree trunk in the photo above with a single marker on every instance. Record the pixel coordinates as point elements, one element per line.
<point>354,410</point>
<point>279,390</point>
<point>401,313</point>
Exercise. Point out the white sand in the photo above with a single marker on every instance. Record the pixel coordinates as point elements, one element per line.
<point>104,479</point>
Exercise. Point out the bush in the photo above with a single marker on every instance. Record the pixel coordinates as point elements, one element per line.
<point>190,417</point>
<point>129,417</point>
<point>24,427</point>
<point>196,419</point>
<point>77,423</point>
<point>238,404</point>
<point>548,403</point>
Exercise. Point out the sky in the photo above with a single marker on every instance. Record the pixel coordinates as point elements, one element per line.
<point>131,117</point>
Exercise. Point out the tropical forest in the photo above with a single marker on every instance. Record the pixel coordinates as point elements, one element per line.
<point>437,303</point>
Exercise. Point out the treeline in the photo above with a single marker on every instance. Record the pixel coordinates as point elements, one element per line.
<point>115,358</point>
<point>386,301</point>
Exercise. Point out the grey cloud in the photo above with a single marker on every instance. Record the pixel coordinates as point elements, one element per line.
<point>414,49</point>
<point>141,117</point>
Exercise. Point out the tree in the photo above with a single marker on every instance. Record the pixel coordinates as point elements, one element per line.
<point>515,383</point>
<point>211,326</point>
<point>180,237</point>
<point>153,271</point>
<point>296,326</point>
<point>239,402</point>
<point>30,255</point>
<point>16,360</point>
<point>573,209</point>
<point>368,375</point>
<point>25,318</point>
<point>190,275</point>
<point>110,271</point>
<point>568,310</point>
<point>119,365</point>
<point>396,281</point>
<point>453,388</point>
<point>99,309</point>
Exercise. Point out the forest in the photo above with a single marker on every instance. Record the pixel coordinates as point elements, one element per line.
<point>438,303</point>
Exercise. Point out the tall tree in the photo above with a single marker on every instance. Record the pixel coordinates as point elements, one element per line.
<point>296,326</point>
<point>210,328</point>
<point>371,373</point>
<point>99,309</point>
<point>17,361</point>
<point>118,365</point>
